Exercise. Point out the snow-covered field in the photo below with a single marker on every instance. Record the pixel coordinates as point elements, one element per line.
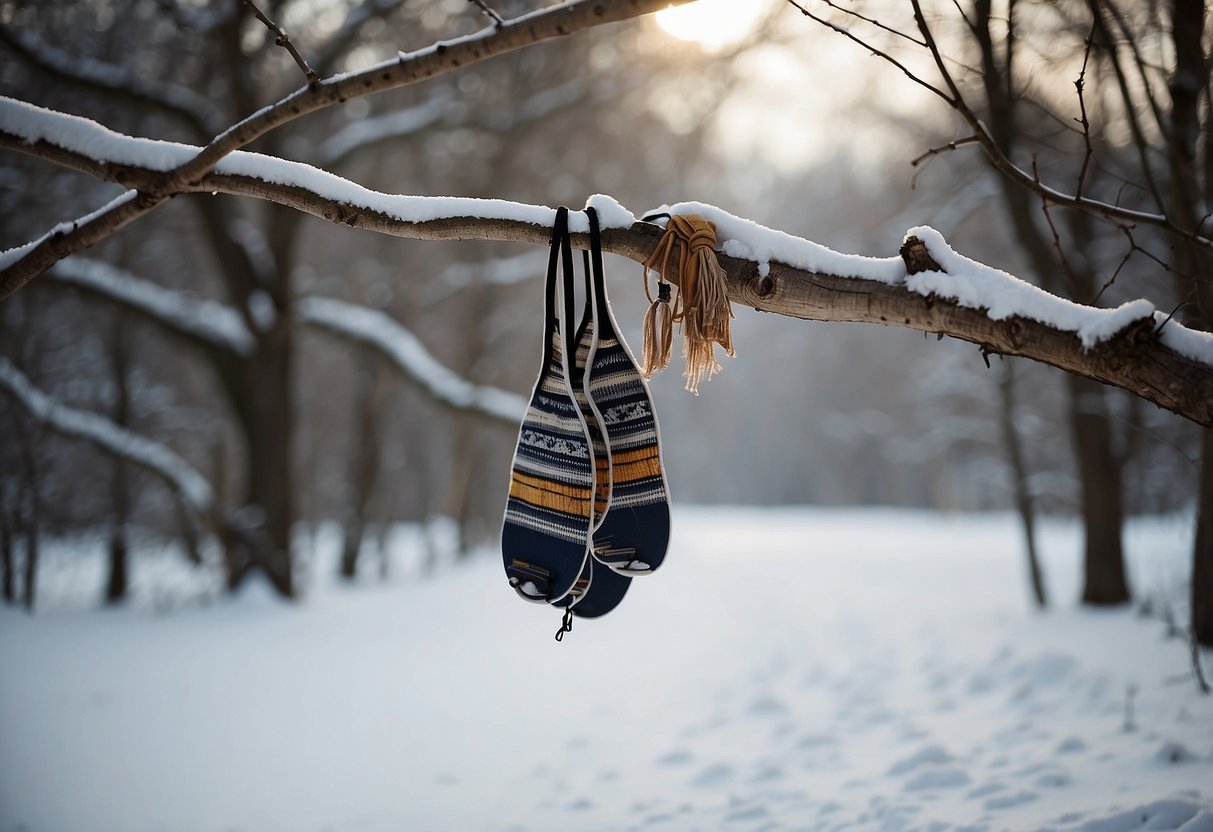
<point>797,669</point>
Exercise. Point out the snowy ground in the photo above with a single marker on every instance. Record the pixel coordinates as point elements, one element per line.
<point>785,670</point>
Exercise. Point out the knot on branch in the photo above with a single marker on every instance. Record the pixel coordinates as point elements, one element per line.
<point>916,257</point>
<point>1138,333</point>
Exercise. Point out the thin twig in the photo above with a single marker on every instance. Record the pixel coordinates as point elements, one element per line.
<point>1140,142</point>
<point>1108,284</point>
<point>484,7</point>
<point>847,34</point>
<point>1066,269</point>
<point>965,17</point>
<point>1187,301</point>
<point>955,99</point>
<point>409,68</point>
<point>1079,85</point>
<point>873,21</point>
<point>935,151</point>
<point>999,160</point>
<point>1127,230</point>
<point>281,39</point>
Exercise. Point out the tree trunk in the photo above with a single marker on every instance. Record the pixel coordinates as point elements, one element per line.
<point>29,597</point>
<point>1100,477</point>
<point>1019,476</point>
<point>116,583</point>
<point>28,507</point>
<point>8,578</point>
<point>364,467</point>
<point>30,528</point>
<point>1202,555</point>
<point>258,536</point>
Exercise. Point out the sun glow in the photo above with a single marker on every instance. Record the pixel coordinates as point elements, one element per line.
<point>711,23</point>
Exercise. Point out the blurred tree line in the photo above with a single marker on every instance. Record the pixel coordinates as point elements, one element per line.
<point>295,428</point>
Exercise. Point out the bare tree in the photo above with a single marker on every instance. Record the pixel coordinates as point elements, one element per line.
<point>1148,197</point>
<point>250,341</point>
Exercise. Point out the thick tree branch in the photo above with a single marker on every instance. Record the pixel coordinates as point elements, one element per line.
<point>165,463</point>
<point>1132,354</point>
<point>204,323</point>
<point>203,117</point>
<point>407,68</point>
<point>408,355</point>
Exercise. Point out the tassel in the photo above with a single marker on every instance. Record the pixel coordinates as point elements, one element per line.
<point>701,307</point>
<point>658,331</point>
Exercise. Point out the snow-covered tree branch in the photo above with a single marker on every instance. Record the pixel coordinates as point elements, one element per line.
<point>204,322</point>
<point>159,459</point>
<point>1134,346</point>
<point>406,68</point>
<point>407,354</point>
<point>196,110</point>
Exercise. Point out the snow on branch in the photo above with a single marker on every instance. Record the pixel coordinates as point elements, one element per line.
<point>94,428</point>
<point>206,321</point>
<point>971,284</point>
<point>406,352</point>
<point>367,132</point>
<point>407,68</point>
<point>202,115</point>
<point>1133,346</point>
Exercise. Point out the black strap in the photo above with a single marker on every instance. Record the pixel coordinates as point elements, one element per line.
<point>566,256</point>
<point>560,233</point>
<point>605,327</point>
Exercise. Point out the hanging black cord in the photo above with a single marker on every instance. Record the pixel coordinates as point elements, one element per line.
<point>566,624</point>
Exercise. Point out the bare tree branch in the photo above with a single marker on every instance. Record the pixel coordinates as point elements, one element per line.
<point>408,355</point>
<point>1080,88</point>
<point>203,117</point>
<point>203,322</point>
<point>346,34</point>
<point>1137,358</point>
<point>407,68</point>
<point>484,7</point>
<point>181,477</point>
<point>886,56</point>
<point>282,39</point>
<point>993,151</point>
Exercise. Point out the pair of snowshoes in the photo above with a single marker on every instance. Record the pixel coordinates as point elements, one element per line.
<point>588,507</point>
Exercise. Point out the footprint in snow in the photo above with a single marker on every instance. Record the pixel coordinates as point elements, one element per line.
<point>1161,814</point>
<point>767,706</point>
<point>677,757</point>
<point>767,772</point>
<point>815,741</point>
<point>1043,671</point>
<point>985,791</point>
<point>929,755</point>
<point>1071,745</point>
<point>714,775</point>
<point>937,778</point>
<point>1009,801</point>
<point>1054,778</point>
<point>581,804</point>
<point>1175,754</point>
<point>754,812</point>
<point>981,683</point>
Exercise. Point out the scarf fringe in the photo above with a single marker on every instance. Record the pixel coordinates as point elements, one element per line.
<point>701,306</point>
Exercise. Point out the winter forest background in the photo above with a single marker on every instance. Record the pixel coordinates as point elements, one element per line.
<point>192,328</point>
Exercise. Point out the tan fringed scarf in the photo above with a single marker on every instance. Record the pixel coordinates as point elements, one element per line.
<point>701,306</point>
